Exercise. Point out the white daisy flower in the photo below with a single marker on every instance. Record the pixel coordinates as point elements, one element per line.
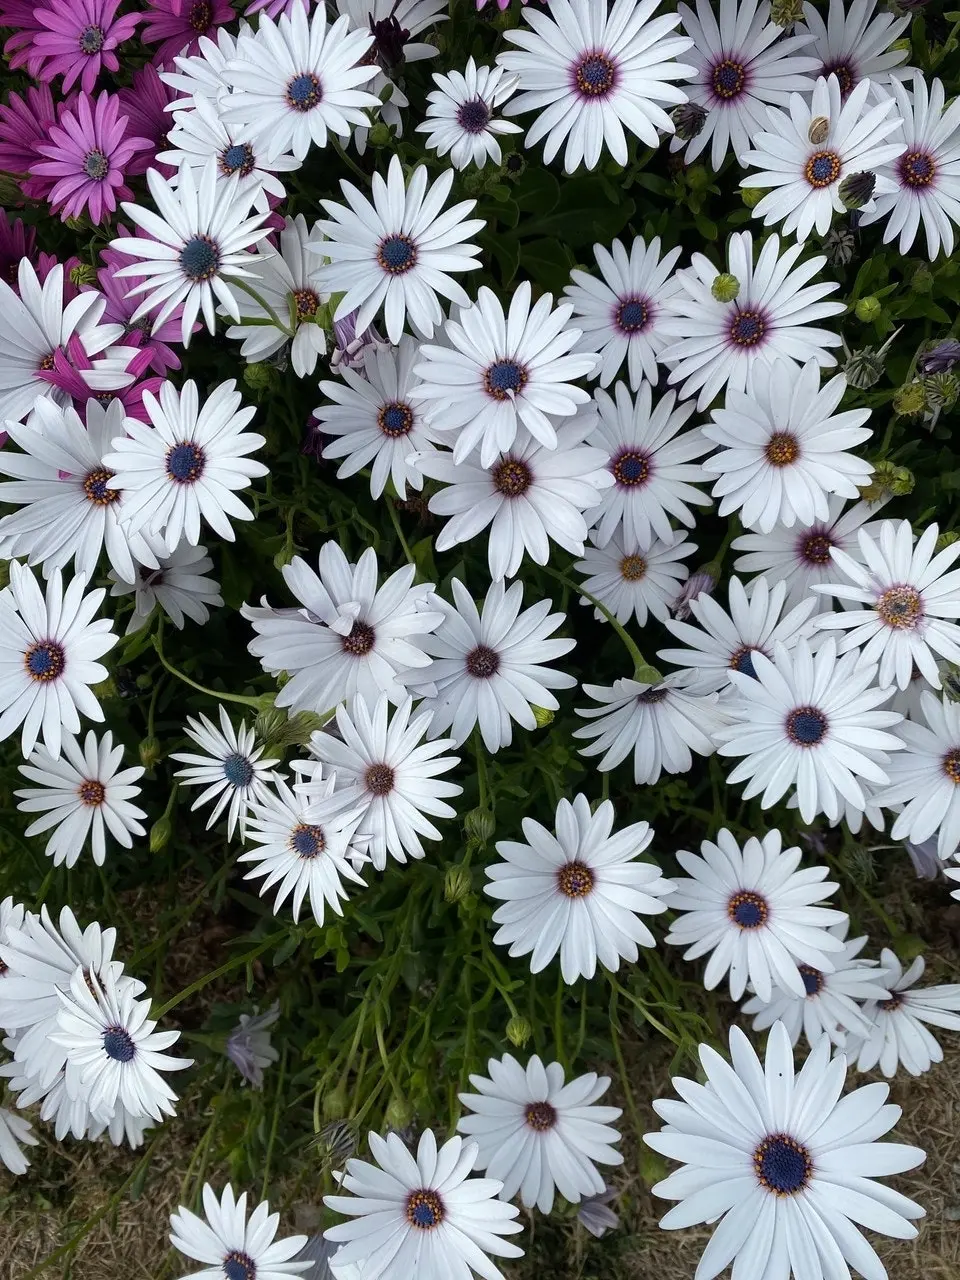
<point>422,1213</point>
<point>398,251</point>
<point>68,511</point>
<point>634,579</point>
<point>14,1132</point>
<point>500,370</point>
<point>49,646</point>
<point>287,280</point>
<point>801,176</point>
<point>84,793</point>
<point>800,557</point>
<point>899,1035</point>
<point>906,594</point>
<point>528,497</point>
<point>377,418</point>
<point>785,1163</point>
<point>305,846</point>
<point>809,720</point>
<point>650,463</point>
<point>231,1247</point>
<point>726,641</point>
<point>538,1133</point>
<point>294,80</point>
<point>593,76</point>
<point>186,465</point>
<point>783,449</point>
<point>855,43</point>
<point>926,177</point>
<point>742,61</point>
<point>620,316</point>
<point>231,769</point>
<point>580,892</point>
<point>201,75</point>
<point>662,724</point>
<point>718,343</point>
<point>114,1054</point>
<point>832,1003</point>
<point>192,247</point>
<point>752,911</point>
<point>925,778</point>
<point>35,323</point>
<point>178,584</point>
<point>394,772</point>
<point>350,635</point>
<point>461,120</point>
<point>73,1116</point>
<point>487,666</point>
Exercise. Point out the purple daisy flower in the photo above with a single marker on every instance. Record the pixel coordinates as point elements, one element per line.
<point>273,8</point>
<point>78,39</point>
<point>122,302</point>
<point>21,16</point>
<point>177,25</point>
<point>75,373</point>
<point>144,103</point>
<point>87,152</point>
<point>25,122</point>
<point>16,241</point>
<point>45,264</point>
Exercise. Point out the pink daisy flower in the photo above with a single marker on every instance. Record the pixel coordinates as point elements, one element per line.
<point>273,8</point>
<point>177,25</point>
<point>75,373</point>
<point>87,152</point>
<point>120,309</point>
<point>144,103</point>
<point>16,242</point>
<point>25,122</point>
<point>78,39</point>
<point>21,16</point>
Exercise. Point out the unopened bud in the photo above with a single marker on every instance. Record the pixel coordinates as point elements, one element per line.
<point>160,834</point>
<point>863,368</point>
<point>818,130</point>
<point>283,556</point>
<point>480,825</point>
<point>947,539</point>
<point>688,120</point>
<point>519,1031</point>
<point>921,279</point>
<point>543,716</point>
<point>83,273</point>
<point>456,884</point>
<point>77,224</point>
<point>381,135</point>
<point>150,751</point>
<point>725,288</point>
<point>840,244</point>
<point>700,583</point>
<point>902,483</point>
<point>259,376</point>
<point>857,189</point>
<point>909,400</point>
<point>868,309</point>
<point>105,689</point>
<point>941,390</point>
<point>888,480</point>
<point>751,196</point>
<point>335,1103</point>
<point>269,724</point>
<point>399,1113</point>
<point>784,13</point>
<point>698,177</point>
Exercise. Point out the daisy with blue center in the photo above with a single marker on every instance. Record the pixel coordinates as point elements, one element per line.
<point>232,771</point>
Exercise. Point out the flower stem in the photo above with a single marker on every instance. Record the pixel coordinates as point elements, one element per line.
<point>642,670</point>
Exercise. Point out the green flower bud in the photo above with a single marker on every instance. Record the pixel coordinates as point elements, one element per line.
<point>725,288</point>
<point>947,539</point>
<point>941,390</point>
<point>381,135</point>
<point>480,825</point>
<point>151,752</point>
<point>104,690</point>
<point>857,189</point>
<point>902,482</point>
<point>77,224</point>
<point>260,376</point>
<point>270,724</point>
<point>647,675</point>
<point>335,1103</point>
<point>160,834</point>
<point>399,1113</point>
<point>543,716</point>
<point>921,279</point>
<point>868,309</point>
<point>784,13</point>
<point>456,884</point>
<point>698,177</point>
<point>519,1031</point>
<point>909,400</point>
<point>688,120</point>
<point>751,196</point>
<point>83,273</point>
<point>884,474</point>
<point>283,556</point>
<point>337,1141</point>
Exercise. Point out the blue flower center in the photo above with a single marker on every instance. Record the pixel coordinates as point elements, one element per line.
<point>822,169</point>
<point>96,165</point>
<point>185,462</point>
<point>504,378</point>
<point>729,78</point>
<point>304,92</point>
<point>45,661</point>
<point>397,254</point>
<point>238,158</point>
<point>199,258</point>
<point>632,315</point>
<point>782,1165</point>
<point>917,169</point>
<point>237,770</point>
<point>743,661</point>
<point>747,328</point>
<point>806,726</point>
<point>239,1266</point>
<point>748,909</point>
<point>631,469</point>
<point>595,75</point>
<point>395,420</point>
<point>91,39</point>
<point>473,117</point>
<point>812,979</point>
<point>95,487</point>
<point>308,841</point>
<point>424,1210</point>
<point>118,1044</point>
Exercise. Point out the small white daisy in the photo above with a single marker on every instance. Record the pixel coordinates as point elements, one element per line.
<point>231,1247</point>
<point>179,585</point>
<point>398,251</point>
<point>752,911</point>
<point>718,343</point>
<point>899,1036</point>
<point>726,641</point>
<point>192,247</point>
<point>232,769</point>
<point>49,646</point>
<point>802,167</point>
<point>925,778</point>
<point>832,1003</point>
<point>306,847</point>
<point>14,1133</point>
<point>187,464</point>
<point>394,772</point>
<point>500,370</point>
<point>662,724</point>
<point>349,636</point>
<point>855,43</point>
<point>785,1164</point>
<point>634,579</point>
<point>377,418</point>
<point>537,1133</point>
<point>907,595</point>
<point>461,120</point>
<point>294,80</point>
<point>84,793</point>
<point>287,280</point>
<point>581,892</point>
<point>114,1054</point>
<point>800,557</point>
<point>926,177</point>
<point>593,76</point>
<point>650,463</point>
<point>201,75</point>
<point>423,1215</point>
<point>742,61</point>
<point>488,667</point>
<point>784,449</point>
<point>620,315</point>
<point>529,497</point>
<point>809,720</point>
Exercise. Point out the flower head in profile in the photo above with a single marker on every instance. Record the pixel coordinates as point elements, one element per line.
<point>178,26</point>
<point>248,1045</point>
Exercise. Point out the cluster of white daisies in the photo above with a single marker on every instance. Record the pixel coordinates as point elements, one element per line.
<point>839,711</point>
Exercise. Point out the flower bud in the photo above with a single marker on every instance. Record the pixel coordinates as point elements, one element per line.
<point>839,245</point>
<point>543,716</point>
<point>259,376</point>
<point>888,480</point>
<point>863,368</point>
<point>818,130</point>
<point>868,309</point>
<point>921,279</point>
<point>902,483</point>
<point>519,1031</point>
<point>947,539</point>
<point>381,135</point>
<point>399,1113</point>
<point>514,165</point>
<point>688,120</point>
<point>456,884</point>
<point>784,13</point>
<point>725,288</point>
<point>909,400</point>
<point>700,583</point>
<point>941,390</point>
<point>83,273</point>
<point>646,674</point>
<point>857,189</point>
<point>160,834</point>
<point>480,825</point>
<point>337,1140</point>
<point>105,689</point>
<point>336,1102</point>
<point>283,556</point>
<point>151,752</point>
<point>751,196</point>
<point>698,177</point>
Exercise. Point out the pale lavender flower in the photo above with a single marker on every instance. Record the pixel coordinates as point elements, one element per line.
<point>248,1046</point>
<point>596,1216</point>
<point>939,359</point>
<point>700,583</point>
<point>351,348</point>
<point>924,857</point>
<point>319,1252</point>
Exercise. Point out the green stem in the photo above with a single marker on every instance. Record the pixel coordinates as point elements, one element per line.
<point>272,941</point>
<point>621,1065</point>
<point>247,288</point>
<point>240,698</point>
<point>642,670</point>
<point>349,160</point>
<point>273,1126</point>
<point>399,532</point>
